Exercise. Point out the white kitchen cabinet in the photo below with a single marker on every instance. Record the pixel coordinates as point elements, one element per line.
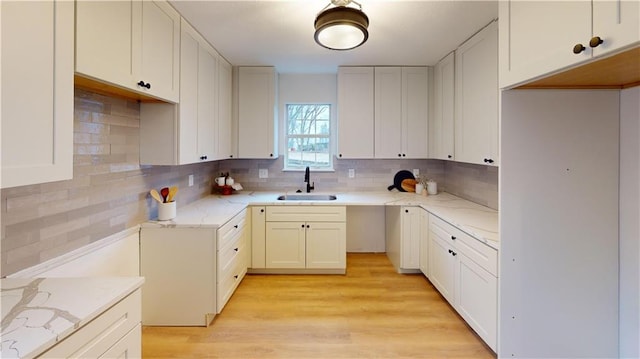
<point>258,237</point>
<point>401,97</point>
<point>355,112</point>
<point>175,134</point>
<point>464,271</point>
<point>257,126</point>
<point>476,98</point>
<point>424,242</point>
<point>306,238</point>
<point>529,51</point>
<point>225,89</point>
<point>441,133</point>
<point>233,256</point>
<point>37,92</point>
<point>130,44</point>
<point>403,231</point>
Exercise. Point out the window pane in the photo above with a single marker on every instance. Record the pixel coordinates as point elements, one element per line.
<point>308,136</point>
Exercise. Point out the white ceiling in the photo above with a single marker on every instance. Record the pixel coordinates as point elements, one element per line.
<point>280,33</point>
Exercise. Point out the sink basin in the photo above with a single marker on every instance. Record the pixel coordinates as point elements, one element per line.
<point>307,197</point>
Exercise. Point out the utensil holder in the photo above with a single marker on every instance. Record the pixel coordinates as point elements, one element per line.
<point>166,211</point>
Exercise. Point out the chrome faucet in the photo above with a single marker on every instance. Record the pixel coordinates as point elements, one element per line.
<point>310,185</point>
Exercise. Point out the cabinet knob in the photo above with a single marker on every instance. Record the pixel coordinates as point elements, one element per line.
<point>236,226</point>
<point>450,251</point>
<point>262,210</point>
<point>406,211</point>
<point>578,48</point>
<point>453,238</point>
<point>307,226</point>
<point>449,156</point>
<point>340,155</point>
<point>595,41</point>
<point>271,155</point>
<point>230,156</point>
<point>302,226</point>
<point>454,253</point>
<point>235,276</point>
<point>488,160</point>
<point>404,155</point>
<point>399,155</point>
<point>235,249</point>
<point>142,84</point>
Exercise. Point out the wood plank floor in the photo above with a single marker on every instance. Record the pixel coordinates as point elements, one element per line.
<point>372,312</point>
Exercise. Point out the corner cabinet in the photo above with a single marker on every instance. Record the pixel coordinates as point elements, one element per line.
<point>403,232</point>
<point>184,133</point>
<point>441,133</point>
<point>464,271</point>
<point>476,98</point>
<point>567,34</point>
<point>305,239</point>
<point>355,112</point>
<point>130,44</point>
<point>401,106</point>
<point>257,120</point>
<point>37,92</point>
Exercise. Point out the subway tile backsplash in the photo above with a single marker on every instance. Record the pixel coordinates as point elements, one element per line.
<point>109,189</point>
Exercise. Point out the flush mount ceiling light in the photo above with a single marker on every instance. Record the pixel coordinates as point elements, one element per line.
<point>341,27</point>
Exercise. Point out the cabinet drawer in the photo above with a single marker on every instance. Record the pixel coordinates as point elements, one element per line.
<point>230,280</point>
<point>229,230</point>
<point>306,214</point>
<point>94,339</point>
<point>231,253</point>
<point>483,255</point>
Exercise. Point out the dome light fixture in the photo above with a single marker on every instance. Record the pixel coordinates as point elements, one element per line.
<point>341,27</point>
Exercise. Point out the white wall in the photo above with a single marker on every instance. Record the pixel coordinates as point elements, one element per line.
<point>630,223</point>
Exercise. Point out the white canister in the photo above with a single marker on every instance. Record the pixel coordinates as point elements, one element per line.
<point>220,181</point>
<point>166,211</point>
<point>432,187</point>
<point>419,188</point>
<point>230,181</point>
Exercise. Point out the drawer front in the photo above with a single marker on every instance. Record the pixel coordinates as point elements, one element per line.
<point>485,256</point>
<point>227,232</point>
<point>230,281</point>
<point>306,214</point>
<point>95,338</point>
<point>233,252</point>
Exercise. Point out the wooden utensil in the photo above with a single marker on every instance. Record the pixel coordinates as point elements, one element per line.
<point>164,192</point>
<point>155,195</point>
<point>172,192</point>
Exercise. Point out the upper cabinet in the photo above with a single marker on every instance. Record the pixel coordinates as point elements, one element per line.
<point>476,98</point>
<point>175,134</point>
<point>225,90</point>
<point>257,126</point>
<point>37,92</point>
<point>401,128</point>
<point>355,112</point>
<point>441,135</point>
<point>130,44</point>
<point>573,32</point>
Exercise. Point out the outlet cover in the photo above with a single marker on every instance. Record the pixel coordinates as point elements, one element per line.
<point>416,172</point>
<point>352,173</point>
<point>263,173</point>
<point>190,180</point>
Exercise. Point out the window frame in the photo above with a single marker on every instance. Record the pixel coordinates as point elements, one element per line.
<point>329,137</point>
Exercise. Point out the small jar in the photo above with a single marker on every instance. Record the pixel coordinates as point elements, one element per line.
<point>432,187</point>
<point>419,188</point>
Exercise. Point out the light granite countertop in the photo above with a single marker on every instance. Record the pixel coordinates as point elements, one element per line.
<point>213,211</point>
<point>37,313</point>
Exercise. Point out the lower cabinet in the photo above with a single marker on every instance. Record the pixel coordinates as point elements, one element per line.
<point>403,232</point>
<point>464,271</point>
<point>300,239</point>
<point>233,256</point>
<point>424,242</point>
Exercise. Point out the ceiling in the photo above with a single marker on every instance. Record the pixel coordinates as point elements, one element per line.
<point>280,33</point>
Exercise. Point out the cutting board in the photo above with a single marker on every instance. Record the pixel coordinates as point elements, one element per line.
<point>409,185</point>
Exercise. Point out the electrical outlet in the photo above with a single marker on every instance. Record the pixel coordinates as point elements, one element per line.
<point>190,180</point>
<point>352,173</point>
<point>263,173</point>
<point>416,172</point>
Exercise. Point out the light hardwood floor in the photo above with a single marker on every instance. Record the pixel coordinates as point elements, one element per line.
<point>371,312</point>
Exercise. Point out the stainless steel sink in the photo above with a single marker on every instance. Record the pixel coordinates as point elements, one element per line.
<point>307,197</point>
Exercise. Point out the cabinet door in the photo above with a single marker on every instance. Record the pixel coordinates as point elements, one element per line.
<point>415,127</point>
<point>424,242</point>
<point>355,112</point>
<point>476,98</point>
<point>159,49</point>
<point>410,241</point>
<point>105,42</point>
<point>256,112</point>
<point>477,298</point>
<point>224,109</point>
<point>207,103</point>
<point>258,237</point>
<point>441,132</point>
<point>388,112</point>
<point>441,263</point>
<point>129,346</point>
<point>326,245</point>
<point>188,118</point>
<point>529,49</point>
<point>37,92</point>
<point>285,245</point>
<point>617,23</point>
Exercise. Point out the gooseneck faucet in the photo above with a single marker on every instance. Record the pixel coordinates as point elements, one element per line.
<point>307,180</point>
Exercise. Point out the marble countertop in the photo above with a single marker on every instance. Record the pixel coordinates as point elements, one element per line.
<point>213,211</point>
<point>39,312</point>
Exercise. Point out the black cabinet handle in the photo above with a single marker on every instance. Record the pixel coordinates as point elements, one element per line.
<point>235,276</point>
<point>307,226</point>
<point>142,84</point>
<point>203,157</point>
<point>453,238</point>
<point>449,156</point>
<point>488,160</point>
<point>399,155</point>
<point>578,48</point>
<point>595,41</point>
<point>406,211</point>
<point>302,226</point>
<point>262,210</point>
<point>235,249</point>
<point>404,155</point>
<point>454,253</point>
<point>230,156</point>
<point>450,251</point>
<point>236,226</point>
<point>271,155</point>
<point>340,155</point>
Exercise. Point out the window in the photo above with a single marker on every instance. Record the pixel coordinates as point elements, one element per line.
<point>308,136</point>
